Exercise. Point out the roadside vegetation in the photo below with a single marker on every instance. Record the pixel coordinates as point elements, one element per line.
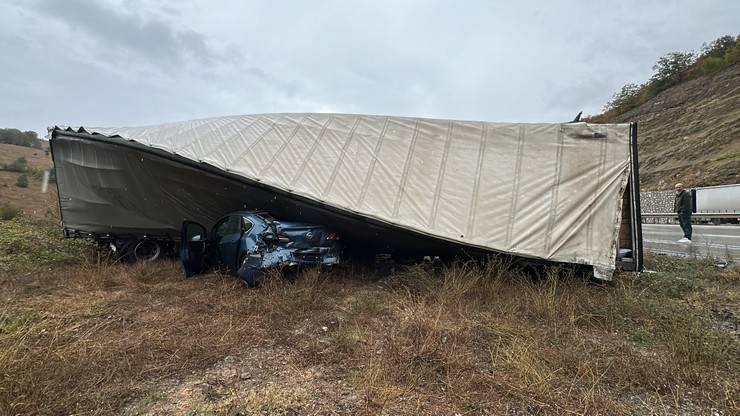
<point>22,181</point>
<point>80,334</point>
<point>26,245</point>
<point>20,138</point>
<point>21,166</point>
<point>672,69</point>
<point>18,165</point>
<point>9,211</point>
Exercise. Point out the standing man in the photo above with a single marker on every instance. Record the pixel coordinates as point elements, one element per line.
<point>683,206</point>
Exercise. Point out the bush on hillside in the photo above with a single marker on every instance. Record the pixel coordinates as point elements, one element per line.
<point>37,174</point>
<point>19,165</point>
<point>9,211</point>
<point>22,181</point>
<point>672,69</point>
<point>733,55</point>
<point>627,97</point>
<point>711,65</point>
<point>20,138</point>
<point>719,47</point>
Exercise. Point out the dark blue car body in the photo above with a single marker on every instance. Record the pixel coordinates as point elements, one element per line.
<point>248,243</point>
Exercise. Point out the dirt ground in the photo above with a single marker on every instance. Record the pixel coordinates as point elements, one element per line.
<point>33,202</point>
<point>81,335</point>
<point>37,158</point>
<point>31,199</point>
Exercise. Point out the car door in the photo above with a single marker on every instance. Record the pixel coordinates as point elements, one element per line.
<point>193,248</point>
<point>227,234</point>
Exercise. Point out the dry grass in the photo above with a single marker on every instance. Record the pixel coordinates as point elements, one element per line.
<point>37,158</point>
<point>100,338</point>
<point>31,199</point>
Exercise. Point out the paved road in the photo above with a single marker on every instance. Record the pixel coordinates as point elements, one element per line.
<point>722,241</point>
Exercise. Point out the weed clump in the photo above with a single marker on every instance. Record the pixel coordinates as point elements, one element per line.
<point>22,181</point>
<point>9,211</point>
<point>28,245</point>
<point>18,165</point>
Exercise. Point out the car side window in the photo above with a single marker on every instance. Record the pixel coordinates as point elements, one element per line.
<point>228,225</point>
<point>246,224</point>
<point>194,232</point>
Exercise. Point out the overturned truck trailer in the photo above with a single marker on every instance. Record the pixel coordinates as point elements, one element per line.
<point>407,186</point>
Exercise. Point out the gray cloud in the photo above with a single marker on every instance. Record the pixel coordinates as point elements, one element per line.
<point>149,38</point>
<point>133,62</point>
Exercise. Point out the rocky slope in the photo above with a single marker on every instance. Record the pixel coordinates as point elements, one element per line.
<point>690,133</point>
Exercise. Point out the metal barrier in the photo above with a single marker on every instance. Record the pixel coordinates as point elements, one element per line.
<point>697,217</point>
<point>734,215</point>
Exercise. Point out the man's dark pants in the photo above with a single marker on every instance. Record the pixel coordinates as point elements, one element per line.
<point>685,220</point>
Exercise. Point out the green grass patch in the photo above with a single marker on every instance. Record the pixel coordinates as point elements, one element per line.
<point>28,245</point>
<point>728,155</point>
<point>653,312</point>
<point>9,211</point>
<point>152,394</point>
<point>12,324</point>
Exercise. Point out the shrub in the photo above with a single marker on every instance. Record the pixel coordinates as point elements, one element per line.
<point>733,55</point>
<point>718,47</point>
<point>711,65</point>
<point>9,211</point>
<point>672,69</point>
<point>19,165</point>
<point>20,138</point>
<point>37,174</point>
<point>626,98</point>
<point>22,181</point>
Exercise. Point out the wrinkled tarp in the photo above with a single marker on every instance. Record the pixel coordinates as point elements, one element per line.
<point>549,191</point>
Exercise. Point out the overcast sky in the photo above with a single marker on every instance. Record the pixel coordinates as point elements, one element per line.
<point>136,62</point>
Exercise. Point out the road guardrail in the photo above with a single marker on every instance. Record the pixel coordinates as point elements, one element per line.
<point>735,215</point>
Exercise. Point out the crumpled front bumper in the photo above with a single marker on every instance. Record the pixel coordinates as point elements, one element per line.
<point>255,265</point>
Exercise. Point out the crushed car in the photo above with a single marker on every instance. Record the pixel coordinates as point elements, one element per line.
<point>249,243</point>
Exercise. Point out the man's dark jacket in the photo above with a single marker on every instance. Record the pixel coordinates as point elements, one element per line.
<point>682,204</point>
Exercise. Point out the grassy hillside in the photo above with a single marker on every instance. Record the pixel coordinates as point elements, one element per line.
<point>690,132</point>
<point>689,117</point>
<point>37,158</point>
<point>30,199</point>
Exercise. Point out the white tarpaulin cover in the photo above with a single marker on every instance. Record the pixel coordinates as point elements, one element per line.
<point>551,191</point>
